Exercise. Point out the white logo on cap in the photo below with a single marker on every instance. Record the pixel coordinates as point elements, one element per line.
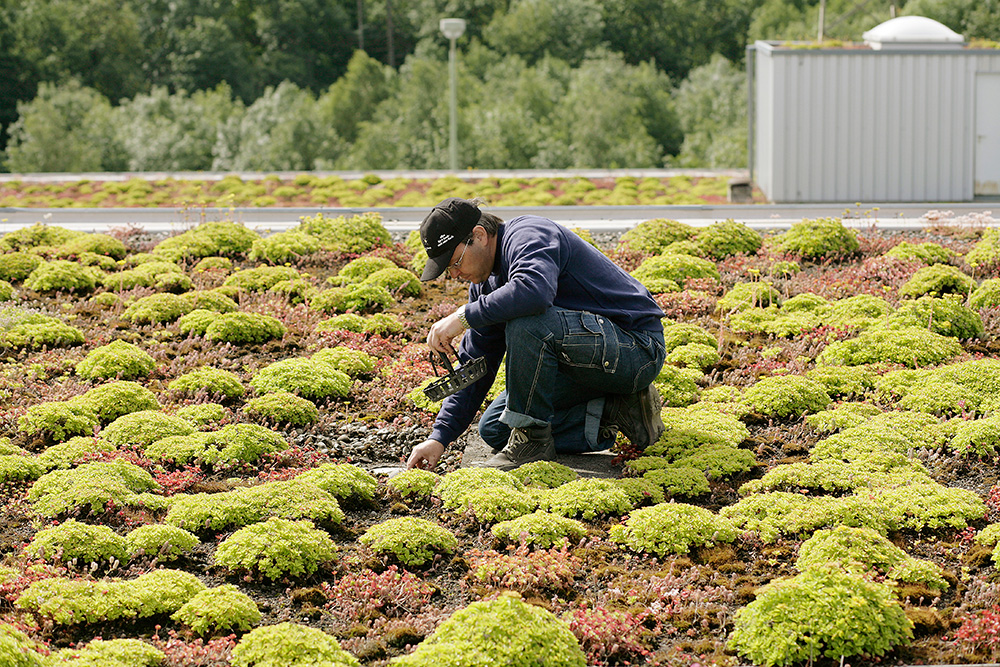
<point>444,238</point>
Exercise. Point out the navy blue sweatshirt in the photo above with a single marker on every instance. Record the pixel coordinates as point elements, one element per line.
<point>538,264</point>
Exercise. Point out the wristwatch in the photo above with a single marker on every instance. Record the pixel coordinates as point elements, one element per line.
<point>461,318</point>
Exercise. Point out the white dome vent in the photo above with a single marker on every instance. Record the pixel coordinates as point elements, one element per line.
<point>912,32</point>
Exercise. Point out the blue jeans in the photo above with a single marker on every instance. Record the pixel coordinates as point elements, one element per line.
<point>560,367</point>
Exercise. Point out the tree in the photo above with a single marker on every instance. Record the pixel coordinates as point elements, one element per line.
<point>712,107</point>
<point>564,29</point>
<point>65,128</point>
<point>799,20</point>
<point>975,19</point>
<point>354,97</point>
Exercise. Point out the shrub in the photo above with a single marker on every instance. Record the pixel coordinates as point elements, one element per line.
<point>675,268</point>
<point>544,474</point>
<point>290,645</point>
<point>747,295</point>
<point>722,239</point>
<point>302,377</point>
<point>72,541</point>
<point>157,309</point>
<point>109,653</point>
<point>671,528</point>
<point>213,381</point>
<point>359,297</point>
<point>115,399</point>
<point>397,281</point>
<point>72,601</point>
<point>141,429</point>
<point>586,498</point>
<point>651,237</point>
<point>282,407</point>
<point>261,278</point>
<point>16,266</point>
<point>824,238</point>
<point>62,275</point>
<point>860,550</point>
<point>92,486</point>
<point>928,253</point>
<point>946,316</point>
<point>785,396</point>
<point>540,529</point>
<point>344,359</point>
<point>505,631</point>
<point>117,359</point>
<point>276,548</point>
<point>160,541</point>
<point>208,239</point>
<point>217,609</point>
<point>910,347</point>
<point>409,540</point>
<point>822,612</point>
<point>283,247</point>
<point>59,419</point>
<point>241,328</point>
<point>987,295</point>
<point>414,483</point>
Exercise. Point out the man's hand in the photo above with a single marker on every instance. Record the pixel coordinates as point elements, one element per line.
<point>425,455</point>
<point>444,331</point>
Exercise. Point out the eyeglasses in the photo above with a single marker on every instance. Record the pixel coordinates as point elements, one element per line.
<point>458,264</point>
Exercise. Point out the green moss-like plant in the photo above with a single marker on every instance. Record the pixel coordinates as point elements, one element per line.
<point>284,247</point>
<point>856,312</point>
<point>544,474</point>
<point>347,360</point>
<point>290,645</point>
<point>241,328</point>
<point>910,347</point>
<point>723,239</point>
<point>397,281</point>
<point>694,355</point>
<point>115,399</point>
<point>748,295</point>
<point>679,481</point>
<point>413,484</point>
<point>244,443</point>
<point>219,609</point>
<point>823,238</point>
<point>986,253</point>
<point>156,273</point>
<point>674,267</point>
<point>213,381</point>
<point>117,359</point>
<point>823,612</point>
<point>651,237</point>
<point>141,429</point>
<point>410,540</point>
<point>92,487</point>
<point>157,309</point>
<point>947,316</point>
<point>219,264</point>
<point>357,234</point>
<point>842,416</point>
<point>672,528</point>
<point>347,482</point>
<point>196,322</point>
<point>358,297</point>
<point>346,322</point>
<point>938,280</point>
<point>978,437</point>
<point>302,377</point>
<point>358,269</point>
<point>987,295</point>
<point>542,530</point>
<point>58,419</point>
<point>276,549</point>
<point>771,515</point>
<point>282,407</point>
<point>499,503</point>
<point>928,253</point>
<point>456,487</point>
<point>16,266</point>
<point>214,300</point>
<point>296,291</point>
<point>505,632</point>
<point>844,381</point>
<point>78,601</point>
<point>180,449</point>
<point>36,235</point>
<point>109,653</point>
<point>72,541</point>
<point>677,386</point>
<point>202,414</point>
<point>208,239</point>
<point>785,396</point>
<point>261,278</point>
<point>160,541</point>
<point>587,498</point>
<point>18,649</point>
<point>62,275</point>
<point>676,334</point>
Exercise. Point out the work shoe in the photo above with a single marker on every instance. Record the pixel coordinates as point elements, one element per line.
<point>636,415</point>
<point>525,445</point>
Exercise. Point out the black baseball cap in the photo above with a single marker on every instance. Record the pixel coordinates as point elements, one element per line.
<point>448,224</point>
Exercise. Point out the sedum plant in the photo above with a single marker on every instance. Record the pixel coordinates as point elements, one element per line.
<point>202,414</point>
<point>679,481</point>
<point>540,529</point>
<point>141,429</point>
<point>117,398</point>
<point>80,543</point>
<point>587,498</point>
<point>938,280</point>
<point>723,239</point>
<point>651,237</point>
<point>18,649</point>
<point>276,549</point>
<point>213,381</point>
<point>20,328</point>
<point>157,309</point>
<point>62,275</point>
<point>785,396</point>
<point>109,653</point>
<point>282,407</point>
<point>505,631</point>
<point>241,328</point>
<point>92,487</point>
<point>544,474</point>
<point>947,316</point>
<point>290,645</point>
<point>987,295</point>
<point>356,297</point>
<point>302,377</point>
<point>18,265</point>
<point>909,346</point>
<point>20,468</point>
<point>410,540</point>
<point>413,484</point>
<point>215,610</point>
<point>117,359</point>
<point>261,278</point>
<point>490,504</point>
<point>222,237</point>
<point>160,541</point>
<point>283,247</point>
<point>928,253</point>
<point>456,487</point>
<point>60,420</point>
<point>823,238</point>
<point>823,612</point>
<point>672,528</point>
<point>659,272</point>
<point>346,360</point>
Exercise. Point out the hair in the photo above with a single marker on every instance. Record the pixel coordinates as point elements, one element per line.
<point>487,221</point>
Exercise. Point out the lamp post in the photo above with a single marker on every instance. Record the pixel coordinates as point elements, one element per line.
<point>453,29</point>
